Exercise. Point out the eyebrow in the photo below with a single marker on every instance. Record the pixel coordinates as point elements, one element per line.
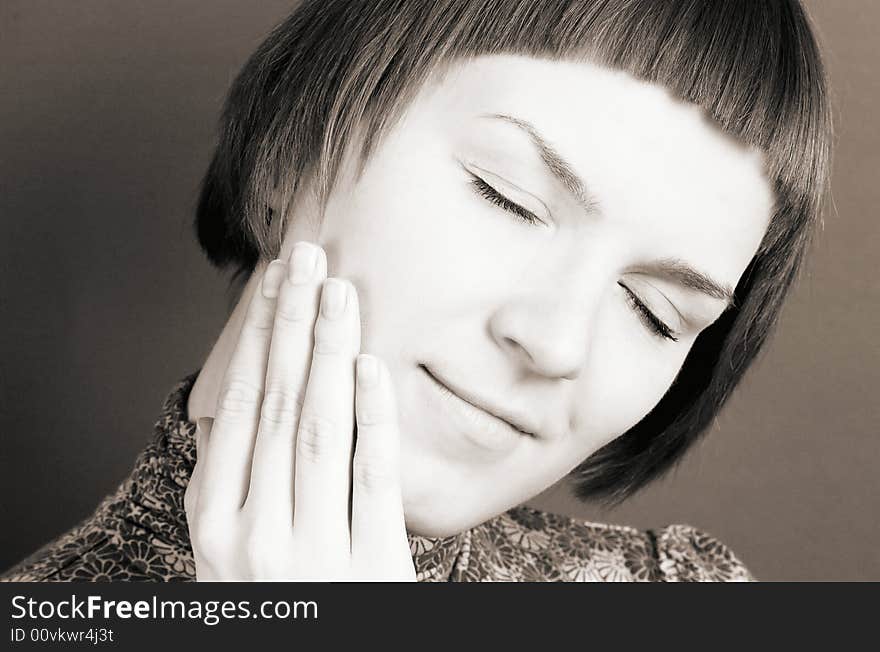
<point>557,165</point>
<point>672,268</point>
<point>685,275</point>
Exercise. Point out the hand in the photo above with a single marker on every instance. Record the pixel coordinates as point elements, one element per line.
<point>279,490</point>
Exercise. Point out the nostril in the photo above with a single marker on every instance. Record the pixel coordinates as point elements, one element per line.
<point>546,361</point>
<point>512,343</point>
<point>555,350</point>
<point>517,347</point>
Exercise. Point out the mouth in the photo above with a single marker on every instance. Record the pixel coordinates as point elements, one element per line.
<point>483,426</point>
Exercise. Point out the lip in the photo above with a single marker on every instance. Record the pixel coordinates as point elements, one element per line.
<point>483,426</point>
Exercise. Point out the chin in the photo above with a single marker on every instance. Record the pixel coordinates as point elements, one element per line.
<point>428,525</point>
<point>438,518</point>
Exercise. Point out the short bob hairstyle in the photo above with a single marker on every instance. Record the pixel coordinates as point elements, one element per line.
<point>752,66</point>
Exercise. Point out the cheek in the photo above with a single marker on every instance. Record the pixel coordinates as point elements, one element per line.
<point>398,236</point>
<point>412,238</point>
<point>626,377</point>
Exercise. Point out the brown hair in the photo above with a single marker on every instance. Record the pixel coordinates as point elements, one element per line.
<point>753,66</point>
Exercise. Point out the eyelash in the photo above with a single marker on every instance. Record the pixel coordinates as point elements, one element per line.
<point>488,192</point>
<point>649,319</point>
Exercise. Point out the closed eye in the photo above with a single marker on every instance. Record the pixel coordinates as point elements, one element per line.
<point>649,319</point>
<point>486,191</point>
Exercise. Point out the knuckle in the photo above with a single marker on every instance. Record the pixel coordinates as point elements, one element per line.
<point>293,310</point>
<point>372,473</point>
<point>258,325</point>
<point>326,344</point>
<point>329,338</point>
<point>238,397</point>
<point>314,437</point>
<point>371,415</point>
<point>281,405</point>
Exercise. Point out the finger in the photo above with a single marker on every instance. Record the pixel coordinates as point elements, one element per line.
<point>270,495</point>
<point>324,437</point>
<point>377,520</point>
<point>230,446</point>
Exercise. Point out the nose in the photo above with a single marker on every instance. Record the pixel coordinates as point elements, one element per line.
<point>546,331</point>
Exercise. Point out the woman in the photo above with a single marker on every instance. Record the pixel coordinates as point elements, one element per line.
<point>511,243</point>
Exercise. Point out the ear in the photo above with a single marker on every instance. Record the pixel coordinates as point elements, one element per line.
<point>299,218</point>
<point>275,200</point>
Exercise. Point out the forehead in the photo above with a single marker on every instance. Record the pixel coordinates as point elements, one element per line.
<point>656,164</point>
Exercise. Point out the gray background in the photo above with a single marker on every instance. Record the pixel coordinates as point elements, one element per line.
<point>107,114</point>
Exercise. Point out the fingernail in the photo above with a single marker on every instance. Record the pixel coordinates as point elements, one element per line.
<point>272,278</point>
<point>303,262</point>
<point>333,298</point>
<point>367,371</point>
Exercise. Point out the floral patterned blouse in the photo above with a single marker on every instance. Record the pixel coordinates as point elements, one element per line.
<point>139,533</point>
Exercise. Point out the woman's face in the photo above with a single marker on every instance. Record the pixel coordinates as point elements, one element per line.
<point>529,239</point>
